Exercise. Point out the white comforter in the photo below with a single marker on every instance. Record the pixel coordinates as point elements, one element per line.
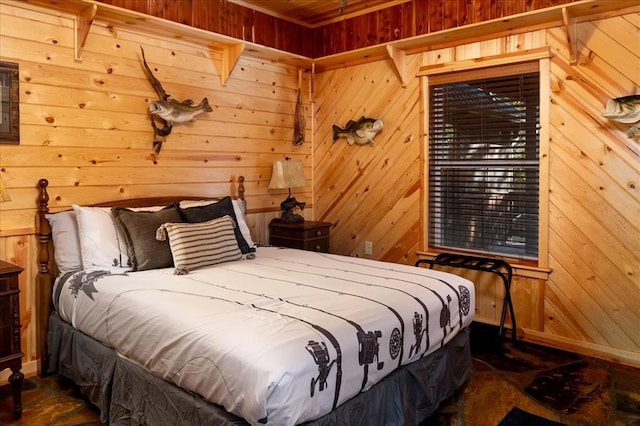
<point>283,338</point>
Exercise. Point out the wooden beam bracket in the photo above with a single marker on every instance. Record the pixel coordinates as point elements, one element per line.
<point>230,56</point>
<point>82,23</point>
<point>572,41</point>
<point>399,61</point>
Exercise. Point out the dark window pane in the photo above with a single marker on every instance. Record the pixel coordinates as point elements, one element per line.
<point>483,165</point>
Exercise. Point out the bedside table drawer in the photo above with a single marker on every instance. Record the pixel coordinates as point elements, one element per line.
<point>319,245</point>
<point>307,235</point>
<point>317,233</point>
<point>8,285</point>
<point>300,233</point>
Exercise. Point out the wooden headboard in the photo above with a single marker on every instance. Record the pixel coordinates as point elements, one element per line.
<point>47,270</point>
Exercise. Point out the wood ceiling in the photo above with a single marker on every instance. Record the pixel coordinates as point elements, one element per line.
<point>314,13</point>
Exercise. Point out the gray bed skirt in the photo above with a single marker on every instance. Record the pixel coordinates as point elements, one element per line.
<point>128,394</point>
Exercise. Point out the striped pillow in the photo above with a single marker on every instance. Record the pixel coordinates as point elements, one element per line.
<point>194,245</point>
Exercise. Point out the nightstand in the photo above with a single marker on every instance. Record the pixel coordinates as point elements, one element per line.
<point>307,235</point>
<point>10,353</point>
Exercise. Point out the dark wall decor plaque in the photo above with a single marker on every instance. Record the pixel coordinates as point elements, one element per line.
<point>9,103</point>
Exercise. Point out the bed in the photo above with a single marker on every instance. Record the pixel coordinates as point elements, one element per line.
<point>199,325</point>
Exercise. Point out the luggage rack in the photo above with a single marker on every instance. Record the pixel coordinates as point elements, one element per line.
<point>485,264</point>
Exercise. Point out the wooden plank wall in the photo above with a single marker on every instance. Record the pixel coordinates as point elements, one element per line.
<point>85,127</point>
<point>415,18</point>
<point>593,295</point>
<point>353,31</point>
<point>223,17</point>
<point>591,301</point>
<point>373,193</point>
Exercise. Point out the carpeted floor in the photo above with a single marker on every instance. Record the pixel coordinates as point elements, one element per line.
<point>508,384</point>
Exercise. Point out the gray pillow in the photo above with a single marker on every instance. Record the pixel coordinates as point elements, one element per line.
<point>139,229</point>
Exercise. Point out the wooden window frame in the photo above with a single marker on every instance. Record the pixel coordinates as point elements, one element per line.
<point>491,67</point>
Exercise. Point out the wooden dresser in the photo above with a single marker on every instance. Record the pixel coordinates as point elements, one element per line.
<point>10,352</point>
<point>307,235</point>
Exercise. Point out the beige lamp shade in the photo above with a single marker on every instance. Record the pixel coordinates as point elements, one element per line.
<point>4,194</point>
<point>287,174</point>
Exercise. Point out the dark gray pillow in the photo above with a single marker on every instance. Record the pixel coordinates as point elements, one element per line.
<point>140,229</point>
<point>209,212</point>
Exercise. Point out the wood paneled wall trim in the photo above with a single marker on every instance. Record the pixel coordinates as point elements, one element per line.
<point>619,356</point>
<point>484,62</point>
<point>157,26</point>
<point>17,232</point>
<point>322,17</point>
<point>564,15</point>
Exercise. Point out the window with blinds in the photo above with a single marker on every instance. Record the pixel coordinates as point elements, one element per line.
<point>484,162</point>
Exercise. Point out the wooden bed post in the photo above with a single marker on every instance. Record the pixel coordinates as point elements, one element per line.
<point>240,195</point>
<point>44,285</point>
<point>241,187</point>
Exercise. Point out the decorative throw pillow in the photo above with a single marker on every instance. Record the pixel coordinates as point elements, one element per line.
<point>239,207</point>
<point>185,204</point>
<point>139,229</point>
<point>66,241</point>
<point>194,245</point>
<point>224,207</point>
<point>102,243</point>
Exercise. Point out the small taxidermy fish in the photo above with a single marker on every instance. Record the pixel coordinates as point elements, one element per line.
<point>360,132</point>
<point>173,111</point>
<point>625,110</point>
<point>169,111</point>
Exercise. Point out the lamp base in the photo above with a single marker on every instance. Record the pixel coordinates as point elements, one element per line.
<point>290,217</point>
<point>287,206</point>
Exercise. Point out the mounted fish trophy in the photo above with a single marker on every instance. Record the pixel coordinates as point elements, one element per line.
<point>360,132</point>
<point>625,110</point>
<point>169,111</point>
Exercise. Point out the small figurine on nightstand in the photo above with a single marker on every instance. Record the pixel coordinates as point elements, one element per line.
<point>287,206</point>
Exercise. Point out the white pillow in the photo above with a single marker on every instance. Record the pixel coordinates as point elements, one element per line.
<point>102,243</point>
<point>194,245</point>
<point>66,241</point>
<point>239,210</point>
<point>146,209</point>
<point>185,204</point>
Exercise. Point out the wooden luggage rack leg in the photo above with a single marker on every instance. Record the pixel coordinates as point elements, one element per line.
<point>485,264</point>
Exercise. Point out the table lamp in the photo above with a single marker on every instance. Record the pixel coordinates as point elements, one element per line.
<point>288,174</point>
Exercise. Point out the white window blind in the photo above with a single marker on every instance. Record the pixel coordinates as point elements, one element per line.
<point>484,163</point>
